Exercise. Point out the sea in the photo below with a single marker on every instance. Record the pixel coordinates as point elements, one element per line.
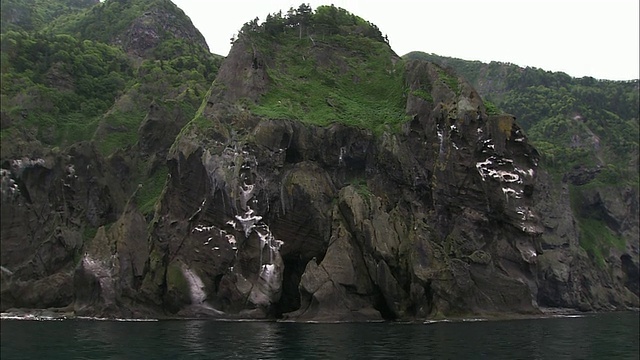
<point>588,336</point>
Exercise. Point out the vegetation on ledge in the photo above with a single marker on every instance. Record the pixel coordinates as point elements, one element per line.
<point>328,66</point>
<point>573,122</point>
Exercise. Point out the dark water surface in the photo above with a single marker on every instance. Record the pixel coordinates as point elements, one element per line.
<point>600,336</point>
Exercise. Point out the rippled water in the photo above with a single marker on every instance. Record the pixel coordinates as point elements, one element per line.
<point>601,336</point>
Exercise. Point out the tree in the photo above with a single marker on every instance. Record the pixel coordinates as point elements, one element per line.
<point>274,24</point>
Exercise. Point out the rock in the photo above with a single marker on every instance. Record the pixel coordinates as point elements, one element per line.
<point>49,292</point>
<point>581,176</point>
<point>351,211</point>
<point>148,31</point>
<point>448,214</point>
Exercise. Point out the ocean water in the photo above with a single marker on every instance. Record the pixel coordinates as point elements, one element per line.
<point>596,336</point>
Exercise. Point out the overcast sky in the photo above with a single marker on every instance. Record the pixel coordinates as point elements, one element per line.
<point>598,38</point>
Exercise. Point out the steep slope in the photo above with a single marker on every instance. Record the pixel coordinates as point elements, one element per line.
<point>587,131</point>
<point>30,15</point>
<point>286,198</point>
<point>86,124</point>
<point>576,122</point>
<point>138,27</point>
<point>322,178</point>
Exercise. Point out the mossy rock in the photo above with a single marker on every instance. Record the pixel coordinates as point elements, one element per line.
<point>480,257</point>
<point>176,280</point>
<point>177,295</point>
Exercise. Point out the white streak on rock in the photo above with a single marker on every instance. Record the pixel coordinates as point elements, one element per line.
<point>512,193</point>
<point>196,286</point>
<point>201,228</point>
<point>248,221</point>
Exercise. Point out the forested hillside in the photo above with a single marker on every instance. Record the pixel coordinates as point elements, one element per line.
<point>77,71</point>
<point>574,122</point>
<point>33,15</point>
<point>586,129</point>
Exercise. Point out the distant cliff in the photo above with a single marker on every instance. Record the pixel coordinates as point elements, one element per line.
<point>322,177</point>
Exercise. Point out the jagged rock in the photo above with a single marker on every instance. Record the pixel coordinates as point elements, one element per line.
<point>109,276</point>
<point>450,214</point>
<point>45,202</point>
<point>159,128</point>
<point>146,32</point>
<point>337,289</point>
<point>581,176</point>
<point>456,228</point>
<point>54,291</point>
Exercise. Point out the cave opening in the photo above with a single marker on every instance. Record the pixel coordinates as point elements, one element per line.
<point>294,267</point>
<point>380,304</point>
<point>631,271</point>
<point>285,142</point>
<point>293,156</point>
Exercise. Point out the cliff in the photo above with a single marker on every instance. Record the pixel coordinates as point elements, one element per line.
<point>322,178</point>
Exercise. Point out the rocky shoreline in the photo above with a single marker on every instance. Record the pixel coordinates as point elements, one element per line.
<point>66,314</point>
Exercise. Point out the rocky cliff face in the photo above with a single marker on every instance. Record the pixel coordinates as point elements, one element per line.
<point>155,26</point>
<point>49,206</point>
<point>451,216</point>
<point>275,218</point>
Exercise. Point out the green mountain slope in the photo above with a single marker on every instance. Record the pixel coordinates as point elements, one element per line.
<point>312,174</point>
<point>573,122</point>
<point>324,83</point>
<point>138,27</point>
<point>30,15</point>
<point>100,72</point>
<point>586,129</point>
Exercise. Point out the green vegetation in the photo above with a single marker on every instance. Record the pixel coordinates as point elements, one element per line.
<point>176,280</point>
<point>572,122</point>
<point>127,123</point>
<point>58,84</point>
<point>342,72</point>
<point>89,233</point>
<point>596,238</point>
<point>73,70</point>
<point>108,19</point>
<point>470,70</point>
<point>424,89</point>
<point>491,108</point>
<point>33,15</point>
<point>360,184</point>
<point>450,80</point>
<point>67,82</point>
<point>151,190</point>
<point>424,95</point>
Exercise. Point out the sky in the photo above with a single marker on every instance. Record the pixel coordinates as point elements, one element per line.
<point>598,38</point>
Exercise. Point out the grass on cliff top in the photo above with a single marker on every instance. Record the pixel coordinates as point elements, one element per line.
<point>358,86</point>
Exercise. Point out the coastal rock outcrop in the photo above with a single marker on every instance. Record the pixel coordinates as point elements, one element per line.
<point>50,207</point>
<point>450,216</point>
<point>445,212</point>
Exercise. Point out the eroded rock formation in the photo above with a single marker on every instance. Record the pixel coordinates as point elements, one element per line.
<point>275,218</point>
